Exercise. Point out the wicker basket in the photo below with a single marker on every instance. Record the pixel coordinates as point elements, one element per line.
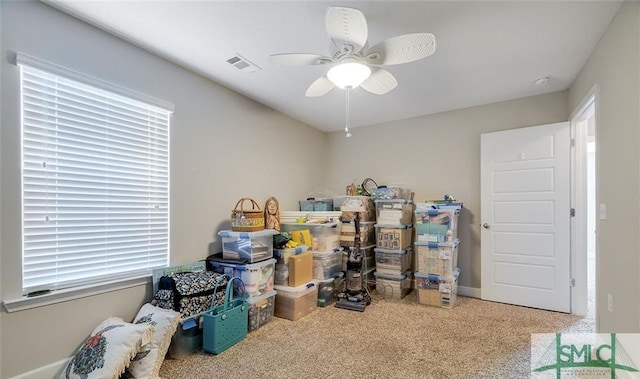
<point>247,220</point>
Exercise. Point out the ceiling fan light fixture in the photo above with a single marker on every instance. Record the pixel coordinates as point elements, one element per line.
<point>349,74</point>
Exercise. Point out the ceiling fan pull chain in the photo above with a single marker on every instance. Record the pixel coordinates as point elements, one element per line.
<point>347,120</point>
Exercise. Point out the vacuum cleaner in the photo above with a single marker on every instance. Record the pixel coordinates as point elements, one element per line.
<point>355,296</point>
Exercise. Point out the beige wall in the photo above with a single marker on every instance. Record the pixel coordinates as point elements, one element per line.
<point>436,155</point>
<point>222,148</point>
<point>614,67</point>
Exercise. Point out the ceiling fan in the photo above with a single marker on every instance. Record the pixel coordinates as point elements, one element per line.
<point>354,62</point>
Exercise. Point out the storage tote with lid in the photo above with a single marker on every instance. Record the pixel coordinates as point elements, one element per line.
<point>293,303</point>
<point>394,236</point>
<point>435,224</point>
<point>247,247</point>
<point>261,310</point>
<point>394,212</point>
<point>318,236</point>
<point>257,277</point>
<point>436,258</point>
<point>390,261</point>
<point>436,290</point>
<point>393,286</point>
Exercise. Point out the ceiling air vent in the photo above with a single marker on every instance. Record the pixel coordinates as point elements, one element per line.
<point>242,63</point>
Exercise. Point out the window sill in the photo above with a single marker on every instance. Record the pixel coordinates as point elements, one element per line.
<point>60,296</point>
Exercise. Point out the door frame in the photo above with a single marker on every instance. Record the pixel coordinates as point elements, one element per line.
<point>579,202</point>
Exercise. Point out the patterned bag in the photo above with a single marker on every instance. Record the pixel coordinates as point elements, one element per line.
<point>190,293</point>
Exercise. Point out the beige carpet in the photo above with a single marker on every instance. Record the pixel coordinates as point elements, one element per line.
<point>391,339</point>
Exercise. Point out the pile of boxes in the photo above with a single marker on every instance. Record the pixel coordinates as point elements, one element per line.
<point>309,271</point>
<point>436,253</point>
<point>394,250</point>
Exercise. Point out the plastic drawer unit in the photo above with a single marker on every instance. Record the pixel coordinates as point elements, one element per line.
<point>367,233</point>
<point>349,205</point>
<point>368,257</point>
<point>326,264</point>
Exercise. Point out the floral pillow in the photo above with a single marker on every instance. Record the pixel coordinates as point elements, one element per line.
<point>108,350</point>
<point>146,364</point>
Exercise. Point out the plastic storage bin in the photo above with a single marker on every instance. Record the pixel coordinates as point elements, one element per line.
<point>320,237</point>
<point>394,237</point>
<point>368,257</point>
<point>367,233</point>
<point>326,264</point>
<point>436,258</point>
<point>393,262</point>
<point>437,291</point>
<point>348,205</point>
<point>185,341</point>
<point>247,247</point>
<point>292,217</point>
<point>261,310</point>
<point>257,277</point>
<point>393,286</point>
<point>326,292</point>
<point>391,192</point>
<point>293,303</point>
<point>394,212</point>
<point>282,263</point>
<point>316,204</point>
<point>436,225</point>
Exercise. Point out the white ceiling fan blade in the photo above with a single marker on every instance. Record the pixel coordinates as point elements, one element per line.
<point>319,87</point>
<point>380,82</point>
<point>402,49</point>
<point>346,26</point>
<point>295,59</point>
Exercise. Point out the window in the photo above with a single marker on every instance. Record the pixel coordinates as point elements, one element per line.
<point>95,181</point>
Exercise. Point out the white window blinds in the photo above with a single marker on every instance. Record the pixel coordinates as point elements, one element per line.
<point>95,183</point>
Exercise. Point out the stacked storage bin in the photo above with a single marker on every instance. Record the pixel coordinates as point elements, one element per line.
<point>436,249</point>
<point>249,255</point>
<point>294,299</point>
<point>324,242</point>
<point>393,252</point>
<point>365,205</point>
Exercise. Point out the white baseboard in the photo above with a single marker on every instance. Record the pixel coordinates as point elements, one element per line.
<point>52,370</point>
<point>469,291</point>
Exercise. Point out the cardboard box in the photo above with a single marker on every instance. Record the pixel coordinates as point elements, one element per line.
<point>300,269</point>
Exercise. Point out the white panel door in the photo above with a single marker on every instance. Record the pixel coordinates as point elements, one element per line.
<point>525,206</point>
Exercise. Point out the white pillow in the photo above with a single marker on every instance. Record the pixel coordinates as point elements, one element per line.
<point>147,363</point>
<point>108,350</point>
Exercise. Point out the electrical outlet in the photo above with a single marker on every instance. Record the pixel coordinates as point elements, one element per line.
<point>610,302</point>
<point>603,211</point>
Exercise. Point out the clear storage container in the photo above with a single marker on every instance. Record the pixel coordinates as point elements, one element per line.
<point>247,247</point>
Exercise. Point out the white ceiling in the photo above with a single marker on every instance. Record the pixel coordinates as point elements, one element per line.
<point>486,51</point>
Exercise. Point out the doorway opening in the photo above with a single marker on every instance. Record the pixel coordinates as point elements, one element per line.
<point>584,224</point>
